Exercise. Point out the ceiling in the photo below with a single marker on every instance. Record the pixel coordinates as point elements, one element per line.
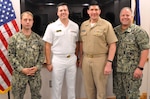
<point>44,2</point>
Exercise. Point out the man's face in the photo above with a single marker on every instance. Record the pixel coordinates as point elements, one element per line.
<point>126,17</point>
<point>27,21</point>
<point>94,12</point>
<point>63,12</point>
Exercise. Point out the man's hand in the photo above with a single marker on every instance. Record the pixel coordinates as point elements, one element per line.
<point>108,68</point>
<point>26,71</point>
<point>138,73</point>
<point>49,67</point>
<point>29,71</point>
<point>33,70</point>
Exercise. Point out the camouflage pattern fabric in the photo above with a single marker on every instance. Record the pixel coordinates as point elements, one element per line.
<point>129,46</point>
<point>25,53</point>
<point>126,85</point>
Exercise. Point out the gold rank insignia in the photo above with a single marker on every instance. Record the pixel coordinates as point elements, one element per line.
<point>82,30</point>
<point>73,31</point>
<point>58,30</point>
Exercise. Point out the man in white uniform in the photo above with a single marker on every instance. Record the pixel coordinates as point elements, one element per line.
<point>60,44</point>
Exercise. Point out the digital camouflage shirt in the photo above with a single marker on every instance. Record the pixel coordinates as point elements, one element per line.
<point>129,46</point>
<point>25,52</point>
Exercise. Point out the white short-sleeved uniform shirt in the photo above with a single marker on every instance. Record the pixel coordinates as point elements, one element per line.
<point>63,39</point>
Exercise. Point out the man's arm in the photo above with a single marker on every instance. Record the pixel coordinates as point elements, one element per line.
<point>41,56</point>
<point>12,55</point>
<point>40,60</point>
<point>77,48</point>
<point>112,50</point>
<point>111,54</point>
<point>81,54</point>
<point>142,39</point>
<point>13,59</point>
<point>143,58</point>
<point>77,52</point>
<point>48,55</point>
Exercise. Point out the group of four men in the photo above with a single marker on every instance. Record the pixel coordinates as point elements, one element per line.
<point>102,49</point>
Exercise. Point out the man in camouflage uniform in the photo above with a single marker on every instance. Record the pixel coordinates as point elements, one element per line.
<point>131,55</point>
<point>26,55</point>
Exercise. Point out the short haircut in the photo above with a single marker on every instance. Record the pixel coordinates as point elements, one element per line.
<point>62,4</point>
<point>26,12</point>
<point>128,9</point>
<point>94,2</point>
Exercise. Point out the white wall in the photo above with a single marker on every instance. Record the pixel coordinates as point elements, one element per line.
<point>16,5</point>
<point>145,24</point>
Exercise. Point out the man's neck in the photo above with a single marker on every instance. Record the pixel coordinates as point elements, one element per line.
<point>124,27</point>
<point>93,20</point>
<point>65,22</point>
<point>26,32</point>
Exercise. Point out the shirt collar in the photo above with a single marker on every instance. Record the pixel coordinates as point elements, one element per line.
<point>23,35</point>
<point>60,23</point>
<point>128,30</point>
<point>99,22</point>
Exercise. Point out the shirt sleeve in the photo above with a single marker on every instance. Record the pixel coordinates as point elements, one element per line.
<point>111,36</point>
<point>77,39</point>
<point>142,39</point>
<point>48,35</point>
<point>41,57</point>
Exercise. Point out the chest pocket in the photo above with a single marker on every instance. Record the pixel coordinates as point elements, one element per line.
<point>20,45</point>
<point>99,36</point>
<point>83,33</point>
<point>73,33</point>
<point>35,45</point>
<point>128,42</point>
<point>59,33</point>
<point>98,33</point>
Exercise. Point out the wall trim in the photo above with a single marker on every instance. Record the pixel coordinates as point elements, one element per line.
<point>143,96</point>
